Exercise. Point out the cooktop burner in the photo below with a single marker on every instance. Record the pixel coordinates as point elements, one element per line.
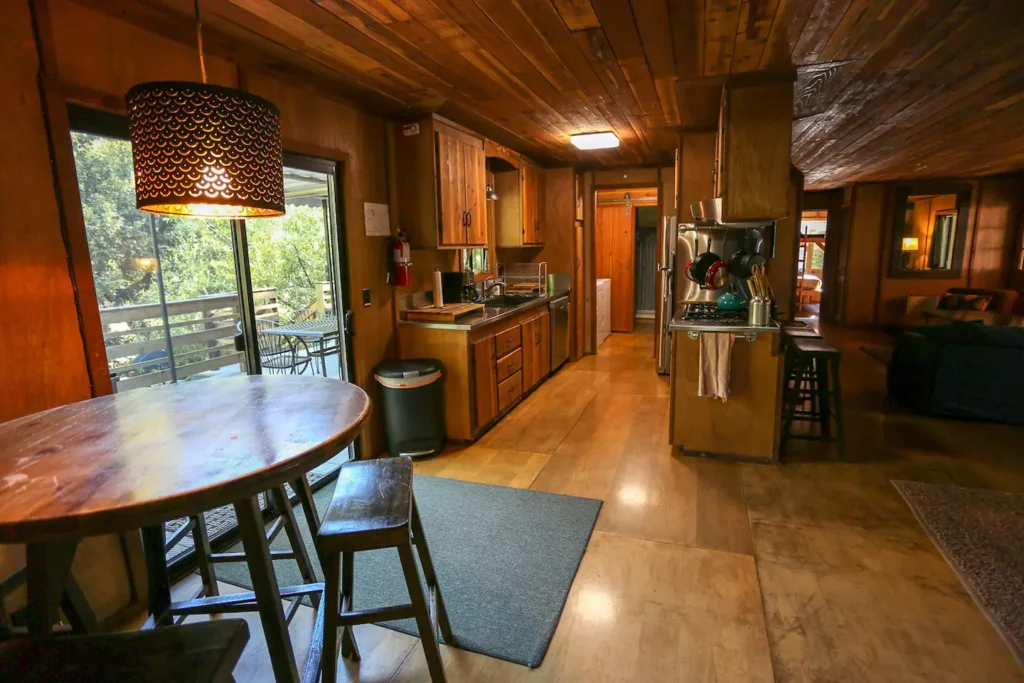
<point>704,311</point>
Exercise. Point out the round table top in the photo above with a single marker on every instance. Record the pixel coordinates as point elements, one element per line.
<point>148,455</point>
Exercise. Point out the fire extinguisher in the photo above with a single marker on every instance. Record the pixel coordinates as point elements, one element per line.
<point>401,260</point>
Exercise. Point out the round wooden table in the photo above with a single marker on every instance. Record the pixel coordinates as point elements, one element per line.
<point>137,459</point>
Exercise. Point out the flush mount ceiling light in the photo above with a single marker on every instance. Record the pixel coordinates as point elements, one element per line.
<point>205,150</point>
<point>595,140</point>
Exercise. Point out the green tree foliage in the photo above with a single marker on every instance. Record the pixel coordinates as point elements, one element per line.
<point>196,254</point>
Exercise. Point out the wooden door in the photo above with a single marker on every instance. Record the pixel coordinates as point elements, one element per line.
<point>475,177</point>
<point>451,190</point>
<point>614,246</point>
<point>578,292</point>
<point>530,361</point>
<point>485,385</point>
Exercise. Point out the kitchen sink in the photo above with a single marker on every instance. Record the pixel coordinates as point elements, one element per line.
<point>508,300</point>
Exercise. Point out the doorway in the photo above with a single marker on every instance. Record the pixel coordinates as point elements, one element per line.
<point>622,248</point>
<point>810,263</point>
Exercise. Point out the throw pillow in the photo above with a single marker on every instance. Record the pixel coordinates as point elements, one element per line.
<point>964,302</point>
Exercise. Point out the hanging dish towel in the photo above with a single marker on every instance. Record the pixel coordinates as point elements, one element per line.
<point>715,365</point>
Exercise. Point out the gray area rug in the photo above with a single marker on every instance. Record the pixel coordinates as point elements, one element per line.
<point>981,535</point>
<point>505,559</point>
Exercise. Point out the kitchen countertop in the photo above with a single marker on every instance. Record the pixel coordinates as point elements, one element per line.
<point>679,324</point>
<point>489,315</point>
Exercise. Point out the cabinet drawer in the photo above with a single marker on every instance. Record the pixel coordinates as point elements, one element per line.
<point>510,390</point>
<point>509,364</point>
<point>507,341</point>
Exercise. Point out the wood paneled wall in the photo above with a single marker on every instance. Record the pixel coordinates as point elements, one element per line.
<point>869,297</point>
<point>43,362</point>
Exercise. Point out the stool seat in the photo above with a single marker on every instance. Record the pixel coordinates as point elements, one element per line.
<point>371,507</point>
<point>814,346</point>
<point>197,653</point>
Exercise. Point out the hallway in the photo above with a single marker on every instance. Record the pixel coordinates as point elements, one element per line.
<point>702,570</point>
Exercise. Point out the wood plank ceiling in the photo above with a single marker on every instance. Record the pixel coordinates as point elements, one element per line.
<point>885,88</point>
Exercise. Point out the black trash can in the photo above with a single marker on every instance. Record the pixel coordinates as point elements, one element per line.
<point>412,398</point>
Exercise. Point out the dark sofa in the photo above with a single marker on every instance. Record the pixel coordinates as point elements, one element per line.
<point>964,370</point>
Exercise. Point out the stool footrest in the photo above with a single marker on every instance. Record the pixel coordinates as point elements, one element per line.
<point>371,616</point>
<point>239,602</point>
<point>240,557</point>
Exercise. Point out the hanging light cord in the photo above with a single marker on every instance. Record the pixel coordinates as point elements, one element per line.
<point>199,40</point>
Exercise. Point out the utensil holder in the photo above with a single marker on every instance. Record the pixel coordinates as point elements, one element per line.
<point>758,311</point>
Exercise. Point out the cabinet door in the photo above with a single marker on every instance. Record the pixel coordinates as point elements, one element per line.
<point>475,177</point>
<point>538,203</point>
<point>530,360</point>
<point>544,346</point>
<point>485,385</point>
<point>531,204</point>
<point>451,190</point>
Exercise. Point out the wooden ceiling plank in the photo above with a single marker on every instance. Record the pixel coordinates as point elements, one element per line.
<point>619,26</point>
<point>825,16</point>
<point>856,102</point>
<point>510,19</point>
<point>927,89</point>
<point>578,15</point>
<point>235,34</point>
<point>553,30</point>
<point>315,41</point>
<point>788,24</point>
<point>754,27</point>
<point>655,28</point>
<point>721,18</point>
<point>687,21</point>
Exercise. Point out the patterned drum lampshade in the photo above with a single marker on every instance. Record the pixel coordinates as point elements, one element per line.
<point>205,150</point>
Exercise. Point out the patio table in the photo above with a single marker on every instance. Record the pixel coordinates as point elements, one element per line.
<point>318,330</point>
<point>136,459</point>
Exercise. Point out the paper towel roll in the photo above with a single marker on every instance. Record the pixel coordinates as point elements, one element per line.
<point>438,298</point>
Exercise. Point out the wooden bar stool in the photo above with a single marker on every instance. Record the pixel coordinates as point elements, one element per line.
<point>813,377</point>
<point>373,507</point>
<point>283,520</point>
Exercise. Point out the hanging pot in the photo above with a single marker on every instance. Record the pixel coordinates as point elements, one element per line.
<point>702,264</point>
<point>688,268</point>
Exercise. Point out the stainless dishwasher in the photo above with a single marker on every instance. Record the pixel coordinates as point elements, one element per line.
<point>559,309</point>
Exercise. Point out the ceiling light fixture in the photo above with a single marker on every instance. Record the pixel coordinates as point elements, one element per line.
<point>605,140</point>
<point>205,150</point>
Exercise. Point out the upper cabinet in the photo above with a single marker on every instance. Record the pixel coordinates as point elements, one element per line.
<point>442,185</point>
<point>752,155</point>
<point>519,206</point>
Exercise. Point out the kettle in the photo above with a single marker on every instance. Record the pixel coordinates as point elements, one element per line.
<point>730,301</point>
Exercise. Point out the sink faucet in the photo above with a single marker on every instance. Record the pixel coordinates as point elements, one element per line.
<point>490,284</point>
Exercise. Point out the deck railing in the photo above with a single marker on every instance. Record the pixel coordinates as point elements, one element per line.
<point>202,337</point>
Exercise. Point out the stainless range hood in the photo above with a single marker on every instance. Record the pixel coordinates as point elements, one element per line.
<point>709,212</point>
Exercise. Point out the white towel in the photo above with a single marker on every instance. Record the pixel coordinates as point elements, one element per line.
<point>715,365</point>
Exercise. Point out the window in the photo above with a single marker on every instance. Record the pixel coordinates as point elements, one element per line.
<point>475,260</point>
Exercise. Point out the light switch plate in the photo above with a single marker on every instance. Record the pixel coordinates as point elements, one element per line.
<point>366,298</point>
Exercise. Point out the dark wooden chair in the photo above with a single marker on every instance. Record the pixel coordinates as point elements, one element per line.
<point>196,653</point>
<point>812,392</point>
<point>374,507</point>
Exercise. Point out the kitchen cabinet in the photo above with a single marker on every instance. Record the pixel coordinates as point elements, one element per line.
<point>519,207</point>
<point>752,152</point>
<point>488,369</point>
<point>485,385</point>
<point>442,185</point>
<point>536,351</point>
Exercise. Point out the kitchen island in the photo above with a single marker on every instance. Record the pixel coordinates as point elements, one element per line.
<point>747,426</point>
<point>492,359</point>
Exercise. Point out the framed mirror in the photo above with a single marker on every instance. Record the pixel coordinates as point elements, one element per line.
<point>929,230</point>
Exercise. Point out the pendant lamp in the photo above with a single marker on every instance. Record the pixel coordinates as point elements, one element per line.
<point>205,150</point>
